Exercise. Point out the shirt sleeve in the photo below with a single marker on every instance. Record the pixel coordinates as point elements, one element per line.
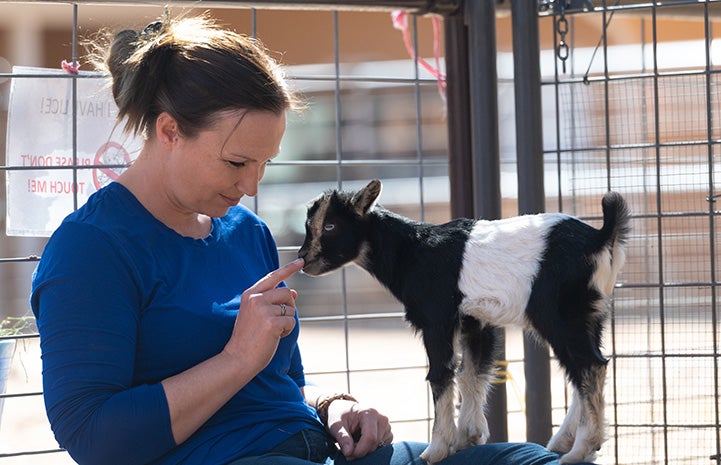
<point>86,298</point>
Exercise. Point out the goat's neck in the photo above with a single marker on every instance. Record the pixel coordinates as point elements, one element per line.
<point>386,253</point>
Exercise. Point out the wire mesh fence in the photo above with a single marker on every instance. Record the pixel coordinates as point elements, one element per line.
<point>630,103</point>
<point>635,110</point>
<point>371,112</point>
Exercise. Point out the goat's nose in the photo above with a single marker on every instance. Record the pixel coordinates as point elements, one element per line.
<point>302,253</point>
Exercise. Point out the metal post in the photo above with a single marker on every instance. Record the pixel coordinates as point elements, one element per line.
<point>531,196</point>
<point>459,117</point>
<point>480,17</point>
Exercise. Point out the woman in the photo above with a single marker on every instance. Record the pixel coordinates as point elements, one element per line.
<point>168,335</point>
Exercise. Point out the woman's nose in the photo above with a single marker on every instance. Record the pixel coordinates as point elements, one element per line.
<point>248,183</point>
<point>247,186</point>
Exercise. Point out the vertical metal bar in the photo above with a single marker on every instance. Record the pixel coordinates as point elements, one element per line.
<point>659,228</point>
<point>419,117</point>
<point>481,20</point>
<point>606,102</point>
<point>254,34</point>
<point>531,197</point>
<point>645,232</point>
<point>74,59</point>
<point>607,148</point>
<point>480,16</point>
<point>338,114</point>
<point>648,252</point>
<point>557,117</point>
<point>460,161</point>
<point>712,228</point>
<point>339,177</point>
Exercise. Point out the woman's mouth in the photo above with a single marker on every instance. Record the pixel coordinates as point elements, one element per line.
<point>230,200</point>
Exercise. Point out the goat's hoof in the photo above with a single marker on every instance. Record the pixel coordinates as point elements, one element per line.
<point>577,456</point>
<point>469,437</point>
<point>561,443</point>
<point>434,454</point>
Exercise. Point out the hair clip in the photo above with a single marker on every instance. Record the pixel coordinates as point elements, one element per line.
<point>70,68</point>
<point>152,29</point>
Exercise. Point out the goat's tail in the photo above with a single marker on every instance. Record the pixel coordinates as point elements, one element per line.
<point>616,220</point>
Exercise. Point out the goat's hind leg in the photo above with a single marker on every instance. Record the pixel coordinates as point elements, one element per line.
<point>576,342</point>
<point>582,432</point>
<point>478,345</point>
<point>562,441</point>
<point>590,429</point>
<point>441,372</point>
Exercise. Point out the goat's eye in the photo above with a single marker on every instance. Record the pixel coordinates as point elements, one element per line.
<point>329,227</point>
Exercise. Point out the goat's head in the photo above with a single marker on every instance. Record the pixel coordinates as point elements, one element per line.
<point>335,228</point>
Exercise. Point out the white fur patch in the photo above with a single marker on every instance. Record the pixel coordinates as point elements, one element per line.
<point>500,262</point>
<point>607,265</point>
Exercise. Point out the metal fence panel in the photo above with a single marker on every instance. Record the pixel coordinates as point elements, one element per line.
<point>635,107</point>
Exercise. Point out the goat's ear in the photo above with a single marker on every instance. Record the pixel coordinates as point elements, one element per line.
<point>365,199</point>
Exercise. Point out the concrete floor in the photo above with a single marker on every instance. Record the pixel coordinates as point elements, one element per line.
<point>386,363</point>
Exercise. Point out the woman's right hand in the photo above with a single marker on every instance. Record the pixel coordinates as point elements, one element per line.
<point>267,314</point>
<point>197,393</point>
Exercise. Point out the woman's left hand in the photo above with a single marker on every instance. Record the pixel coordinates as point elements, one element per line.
<point>359,430</point>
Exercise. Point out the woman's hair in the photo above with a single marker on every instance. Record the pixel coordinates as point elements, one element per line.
<point>192,69</point>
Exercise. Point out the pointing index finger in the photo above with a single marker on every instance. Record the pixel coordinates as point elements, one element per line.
<point>275,277</point>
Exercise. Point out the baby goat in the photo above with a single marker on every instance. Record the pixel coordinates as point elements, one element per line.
<point>549,273</point>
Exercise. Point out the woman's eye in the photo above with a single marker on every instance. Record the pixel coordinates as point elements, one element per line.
<point>329,227</point>
<point>236,164</point>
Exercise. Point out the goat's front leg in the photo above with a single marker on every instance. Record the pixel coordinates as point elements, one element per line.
<point>444,426</point>
<point>478,348</point>
<point>441,374</point>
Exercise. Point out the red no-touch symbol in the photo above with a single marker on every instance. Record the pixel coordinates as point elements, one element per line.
<point>110,153</point>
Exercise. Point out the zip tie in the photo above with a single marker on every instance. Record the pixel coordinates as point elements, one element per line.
<point>502,375</point>
<point>500,372</point>
<point>400,22</point>
<point>70,68</point>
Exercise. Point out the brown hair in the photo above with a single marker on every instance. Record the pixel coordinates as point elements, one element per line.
<point>192,69</point>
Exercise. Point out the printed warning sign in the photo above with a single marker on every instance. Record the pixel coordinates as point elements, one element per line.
<point>63,144</point>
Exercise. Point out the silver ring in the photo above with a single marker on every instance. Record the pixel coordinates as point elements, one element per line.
<point>283,310</point>
<point>382,444</point>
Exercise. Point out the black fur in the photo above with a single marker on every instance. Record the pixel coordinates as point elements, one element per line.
<point>423,265</point>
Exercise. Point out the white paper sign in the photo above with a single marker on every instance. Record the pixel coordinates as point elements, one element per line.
<point>45,174</point>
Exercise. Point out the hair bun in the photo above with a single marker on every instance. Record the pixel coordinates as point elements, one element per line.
<point>122,48</point>
<point>124,45</point>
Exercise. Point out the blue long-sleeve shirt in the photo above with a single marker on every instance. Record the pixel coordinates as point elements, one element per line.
<point>123,302</point>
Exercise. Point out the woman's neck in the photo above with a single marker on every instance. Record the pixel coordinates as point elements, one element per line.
<point>160,204</point>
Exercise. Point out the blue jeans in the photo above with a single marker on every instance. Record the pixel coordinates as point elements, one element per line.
<point>311,447</point>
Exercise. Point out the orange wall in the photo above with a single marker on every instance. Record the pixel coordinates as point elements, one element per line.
<point>308,36</point>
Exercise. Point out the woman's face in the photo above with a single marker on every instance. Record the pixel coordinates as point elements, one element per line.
<point>213,170</point>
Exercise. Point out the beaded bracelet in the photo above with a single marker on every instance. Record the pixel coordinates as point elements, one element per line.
<point>322,405</point>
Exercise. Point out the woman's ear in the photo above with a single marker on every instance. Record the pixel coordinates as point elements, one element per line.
<point>166,129</point>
